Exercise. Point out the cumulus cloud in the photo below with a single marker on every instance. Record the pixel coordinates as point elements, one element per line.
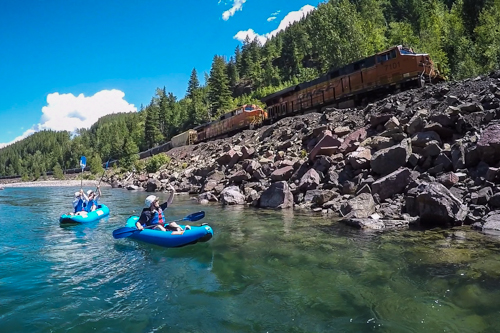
<point>237,5</point>
<point>287,20</point>
<point>67,112</point>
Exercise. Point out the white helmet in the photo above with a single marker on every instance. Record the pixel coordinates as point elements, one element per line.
<point>89,192</point>
<point>77,194</point>
<point>150,199</point>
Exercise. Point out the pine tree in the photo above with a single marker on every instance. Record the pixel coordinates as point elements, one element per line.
<point>194,107</point>
<point>162,112</point>
<point>193,84</point>
<point>152,133</point>
<point>218,88</point>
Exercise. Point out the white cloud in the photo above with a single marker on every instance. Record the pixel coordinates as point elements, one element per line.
<point>272,18</point>
<point>287,20</point>
<point>237,5</point>
<point>276,13</point>
<point>67,112</point>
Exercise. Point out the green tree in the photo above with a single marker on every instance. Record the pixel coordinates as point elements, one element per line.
<point>218,87</point>
<point>58,173</point>
<point>152,132</point>
<point>130,151</point>
<point>95,164</point>
<point>488,36</point>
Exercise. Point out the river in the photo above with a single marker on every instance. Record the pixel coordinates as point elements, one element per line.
<point>263,271</point>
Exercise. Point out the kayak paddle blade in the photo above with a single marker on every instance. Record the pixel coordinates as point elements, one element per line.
<point>195,216</point>
<point>124,232</point>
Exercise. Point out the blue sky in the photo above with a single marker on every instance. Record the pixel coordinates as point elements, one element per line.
<point>65,63</point>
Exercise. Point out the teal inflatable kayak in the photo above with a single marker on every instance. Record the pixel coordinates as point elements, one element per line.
<point>170,238</point>
<point>100,212</point>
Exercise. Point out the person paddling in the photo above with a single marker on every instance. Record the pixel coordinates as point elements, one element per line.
<point>92,203</point>
<point>80,202</point>
<point>153,214</point>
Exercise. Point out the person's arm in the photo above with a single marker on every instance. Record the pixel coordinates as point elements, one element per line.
<point>98,192</point>
<point>170,198</point>
<point>143,220</point>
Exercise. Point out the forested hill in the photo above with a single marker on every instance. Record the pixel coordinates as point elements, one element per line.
<point>461,36</point>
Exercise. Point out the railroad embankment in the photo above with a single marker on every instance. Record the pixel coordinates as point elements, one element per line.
<point>428,156</point>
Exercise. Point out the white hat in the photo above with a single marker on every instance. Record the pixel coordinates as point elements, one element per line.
<point>89,192</point>
<point>150,199</point>
<point>77,194</point>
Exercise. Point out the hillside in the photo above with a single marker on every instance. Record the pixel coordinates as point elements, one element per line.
<point>430,155</point>
<point>461,37</point>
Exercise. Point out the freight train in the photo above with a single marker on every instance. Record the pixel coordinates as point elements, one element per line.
<point>397,68</point>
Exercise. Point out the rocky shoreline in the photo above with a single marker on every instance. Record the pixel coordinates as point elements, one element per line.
<point>54,183</point>
<point>429,156</point>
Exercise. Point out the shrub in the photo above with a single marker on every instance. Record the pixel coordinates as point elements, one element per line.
<point>58,173</point>
<point>156,162</point>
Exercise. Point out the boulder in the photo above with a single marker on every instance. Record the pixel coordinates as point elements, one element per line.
<point>282,174</point>
<point>393,183</point>
<point>278,195</point>
<point>327,145</point>
<point>489,144</point>
<point>436,205</point>
<point>360,159</point>
<point>232,196</point>
<point>309,181</point>
<point>361,206</point>
<point>153,185</point>
<point>390,159</point>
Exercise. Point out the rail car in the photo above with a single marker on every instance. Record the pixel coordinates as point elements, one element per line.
<point>396,68</point>
<point>186,138</point>
<point>245,116</point>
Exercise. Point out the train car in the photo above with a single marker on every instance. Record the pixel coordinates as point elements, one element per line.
<point>396,68</point>
<point>186,138</point>
<point>245,116</point>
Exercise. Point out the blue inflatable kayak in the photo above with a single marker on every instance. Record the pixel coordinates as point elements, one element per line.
<point>100,212</point>
<point>171,238</point>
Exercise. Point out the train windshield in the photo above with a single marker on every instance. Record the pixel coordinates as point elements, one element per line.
<point>249,108</point>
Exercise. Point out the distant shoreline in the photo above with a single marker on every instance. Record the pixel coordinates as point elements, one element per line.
<point>54,183</point>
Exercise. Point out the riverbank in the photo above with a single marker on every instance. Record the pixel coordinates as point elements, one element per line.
<point>55,183</point>
<point>429,156</point>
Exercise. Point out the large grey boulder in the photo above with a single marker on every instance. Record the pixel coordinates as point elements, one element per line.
<point>436,205</point>
<point>278,195</point>
<point>361,206</point>
<point>391,184</point>
<point>390,159</point>
<point>232,196</point>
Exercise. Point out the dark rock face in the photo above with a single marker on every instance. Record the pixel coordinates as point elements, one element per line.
<point>430,155</point>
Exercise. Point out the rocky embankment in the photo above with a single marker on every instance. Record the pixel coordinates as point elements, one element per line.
<point>428,156</point>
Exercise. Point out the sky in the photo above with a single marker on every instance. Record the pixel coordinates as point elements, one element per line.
<point>65,63</point>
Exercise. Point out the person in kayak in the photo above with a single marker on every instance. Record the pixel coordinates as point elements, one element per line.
<point>92,199</point>
<point>79,203</point>
<point>153,214</point>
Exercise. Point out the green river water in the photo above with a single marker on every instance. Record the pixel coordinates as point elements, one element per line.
<point>263,271</point>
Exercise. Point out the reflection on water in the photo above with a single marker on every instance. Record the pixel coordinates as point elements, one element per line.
<point>276,271</point>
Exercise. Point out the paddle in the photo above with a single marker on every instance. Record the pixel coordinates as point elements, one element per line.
<point>105,169</point>
<point>127,231</point>
<point>83,163</point>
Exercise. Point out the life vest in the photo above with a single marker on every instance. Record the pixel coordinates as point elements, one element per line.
<point>90,204</point>
<point>157,217</point>
<point>80,206</point>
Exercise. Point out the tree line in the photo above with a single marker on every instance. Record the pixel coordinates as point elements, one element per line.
<point>462,37</point>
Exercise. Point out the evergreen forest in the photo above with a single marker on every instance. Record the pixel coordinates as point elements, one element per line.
<point>462,37</point>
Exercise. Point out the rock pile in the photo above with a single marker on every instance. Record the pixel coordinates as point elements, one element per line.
<point>430,155</point>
